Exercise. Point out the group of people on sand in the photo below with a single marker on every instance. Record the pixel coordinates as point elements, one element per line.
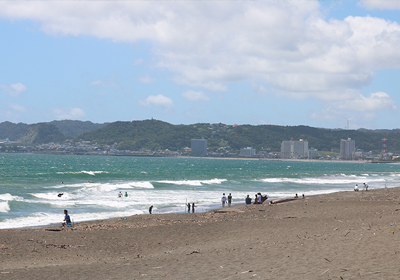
<point>258,199</point>
<point>356,188</point>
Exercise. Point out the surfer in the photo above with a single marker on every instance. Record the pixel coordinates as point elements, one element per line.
<point>60,194</point>
<point>150,209</point>
<point>120,194</point>
<point>126,194</point>
<point>193,207</point>
<point>188,205</point>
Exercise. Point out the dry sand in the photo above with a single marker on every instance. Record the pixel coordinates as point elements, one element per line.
<point>347,235</point>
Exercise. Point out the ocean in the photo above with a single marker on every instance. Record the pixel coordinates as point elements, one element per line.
<point>30,184</point>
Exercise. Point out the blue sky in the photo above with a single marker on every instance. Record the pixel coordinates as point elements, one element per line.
<point>316,63</point>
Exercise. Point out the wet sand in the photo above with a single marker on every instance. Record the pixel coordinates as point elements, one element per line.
<point>346,235</point>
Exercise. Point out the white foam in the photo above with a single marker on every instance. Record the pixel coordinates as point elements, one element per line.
<point>4,207</point>
<point>43,219</point>
<point>144,185</point>
<point>93,173</point>
<point>7,197</point>
<point>197,183</point>
<point>323,180</point>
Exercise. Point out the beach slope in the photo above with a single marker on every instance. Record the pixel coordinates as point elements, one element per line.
<point>346,235</point>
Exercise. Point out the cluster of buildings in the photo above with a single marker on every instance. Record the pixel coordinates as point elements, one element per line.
<point>297,149</point>
<point>293,149</point>
<point>199,149</point>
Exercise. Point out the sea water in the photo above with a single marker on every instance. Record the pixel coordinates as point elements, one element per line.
<point>30,184</point>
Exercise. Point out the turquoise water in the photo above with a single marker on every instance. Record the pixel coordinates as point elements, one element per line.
<point>30,184</point>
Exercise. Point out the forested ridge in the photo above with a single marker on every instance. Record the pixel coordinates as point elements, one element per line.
<point>154,135</point>
<point>159,135</point>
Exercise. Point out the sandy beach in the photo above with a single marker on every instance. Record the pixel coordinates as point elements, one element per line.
<point>346,235</point>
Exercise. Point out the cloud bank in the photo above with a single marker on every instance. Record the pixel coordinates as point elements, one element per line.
<point>286,45</point>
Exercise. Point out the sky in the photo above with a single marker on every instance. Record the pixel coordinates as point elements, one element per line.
<point>330,64</point>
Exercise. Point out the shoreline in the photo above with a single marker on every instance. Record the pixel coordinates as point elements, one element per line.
<point>211,208</point>
<point>341,235</point>
<point>233,158</point>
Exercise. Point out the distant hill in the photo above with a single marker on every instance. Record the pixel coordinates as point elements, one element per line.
<point>154,134</point>
<point>42,133</point>
<point>12,131</point>
<point>72,128</point>
<point>158,135</point>
<point>147,134</point>
<point>55,131</point>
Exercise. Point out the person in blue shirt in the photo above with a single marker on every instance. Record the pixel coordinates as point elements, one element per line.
<point>67,219</point>
<point>248,200</point>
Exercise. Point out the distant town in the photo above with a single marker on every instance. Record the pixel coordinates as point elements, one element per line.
<point>290,149</point>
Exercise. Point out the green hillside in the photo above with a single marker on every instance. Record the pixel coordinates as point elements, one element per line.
<point>12,131</point>
<point>42,133</point>
<point>72,128</point>
<point>154,135</point>
<point>158,135</point>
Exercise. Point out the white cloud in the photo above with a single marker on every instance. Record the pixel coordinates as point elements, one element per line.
<point>288,46</point>
<point>18,107</point>
<point>14,90</point>
<point>374,102</point>
<point>159,101</point>
<point>146,79</point>
<point>194,96</point>
<point>380,5</point>
<point>68,113</point>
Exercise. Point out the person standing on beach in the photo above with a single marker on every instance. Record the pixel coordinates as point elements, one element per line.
<point>366,186</point>
<point>67,219</point>
<point>150,209</point>
<point>193,207</point>
<point>229,199</point>
<point>248,200</point>
<point>223,199</point>
<point>188,205</point>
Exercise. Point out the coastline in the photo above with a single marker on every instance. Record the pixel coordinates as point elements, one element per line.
<point>208,157</point>
<point>348,235</point>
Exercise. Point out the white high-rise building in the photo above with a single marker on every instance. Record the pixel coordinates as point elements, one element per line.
<point>199,147</point>
<point>347,148</point>
<point>247,152</point>
<point>294,149</point>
